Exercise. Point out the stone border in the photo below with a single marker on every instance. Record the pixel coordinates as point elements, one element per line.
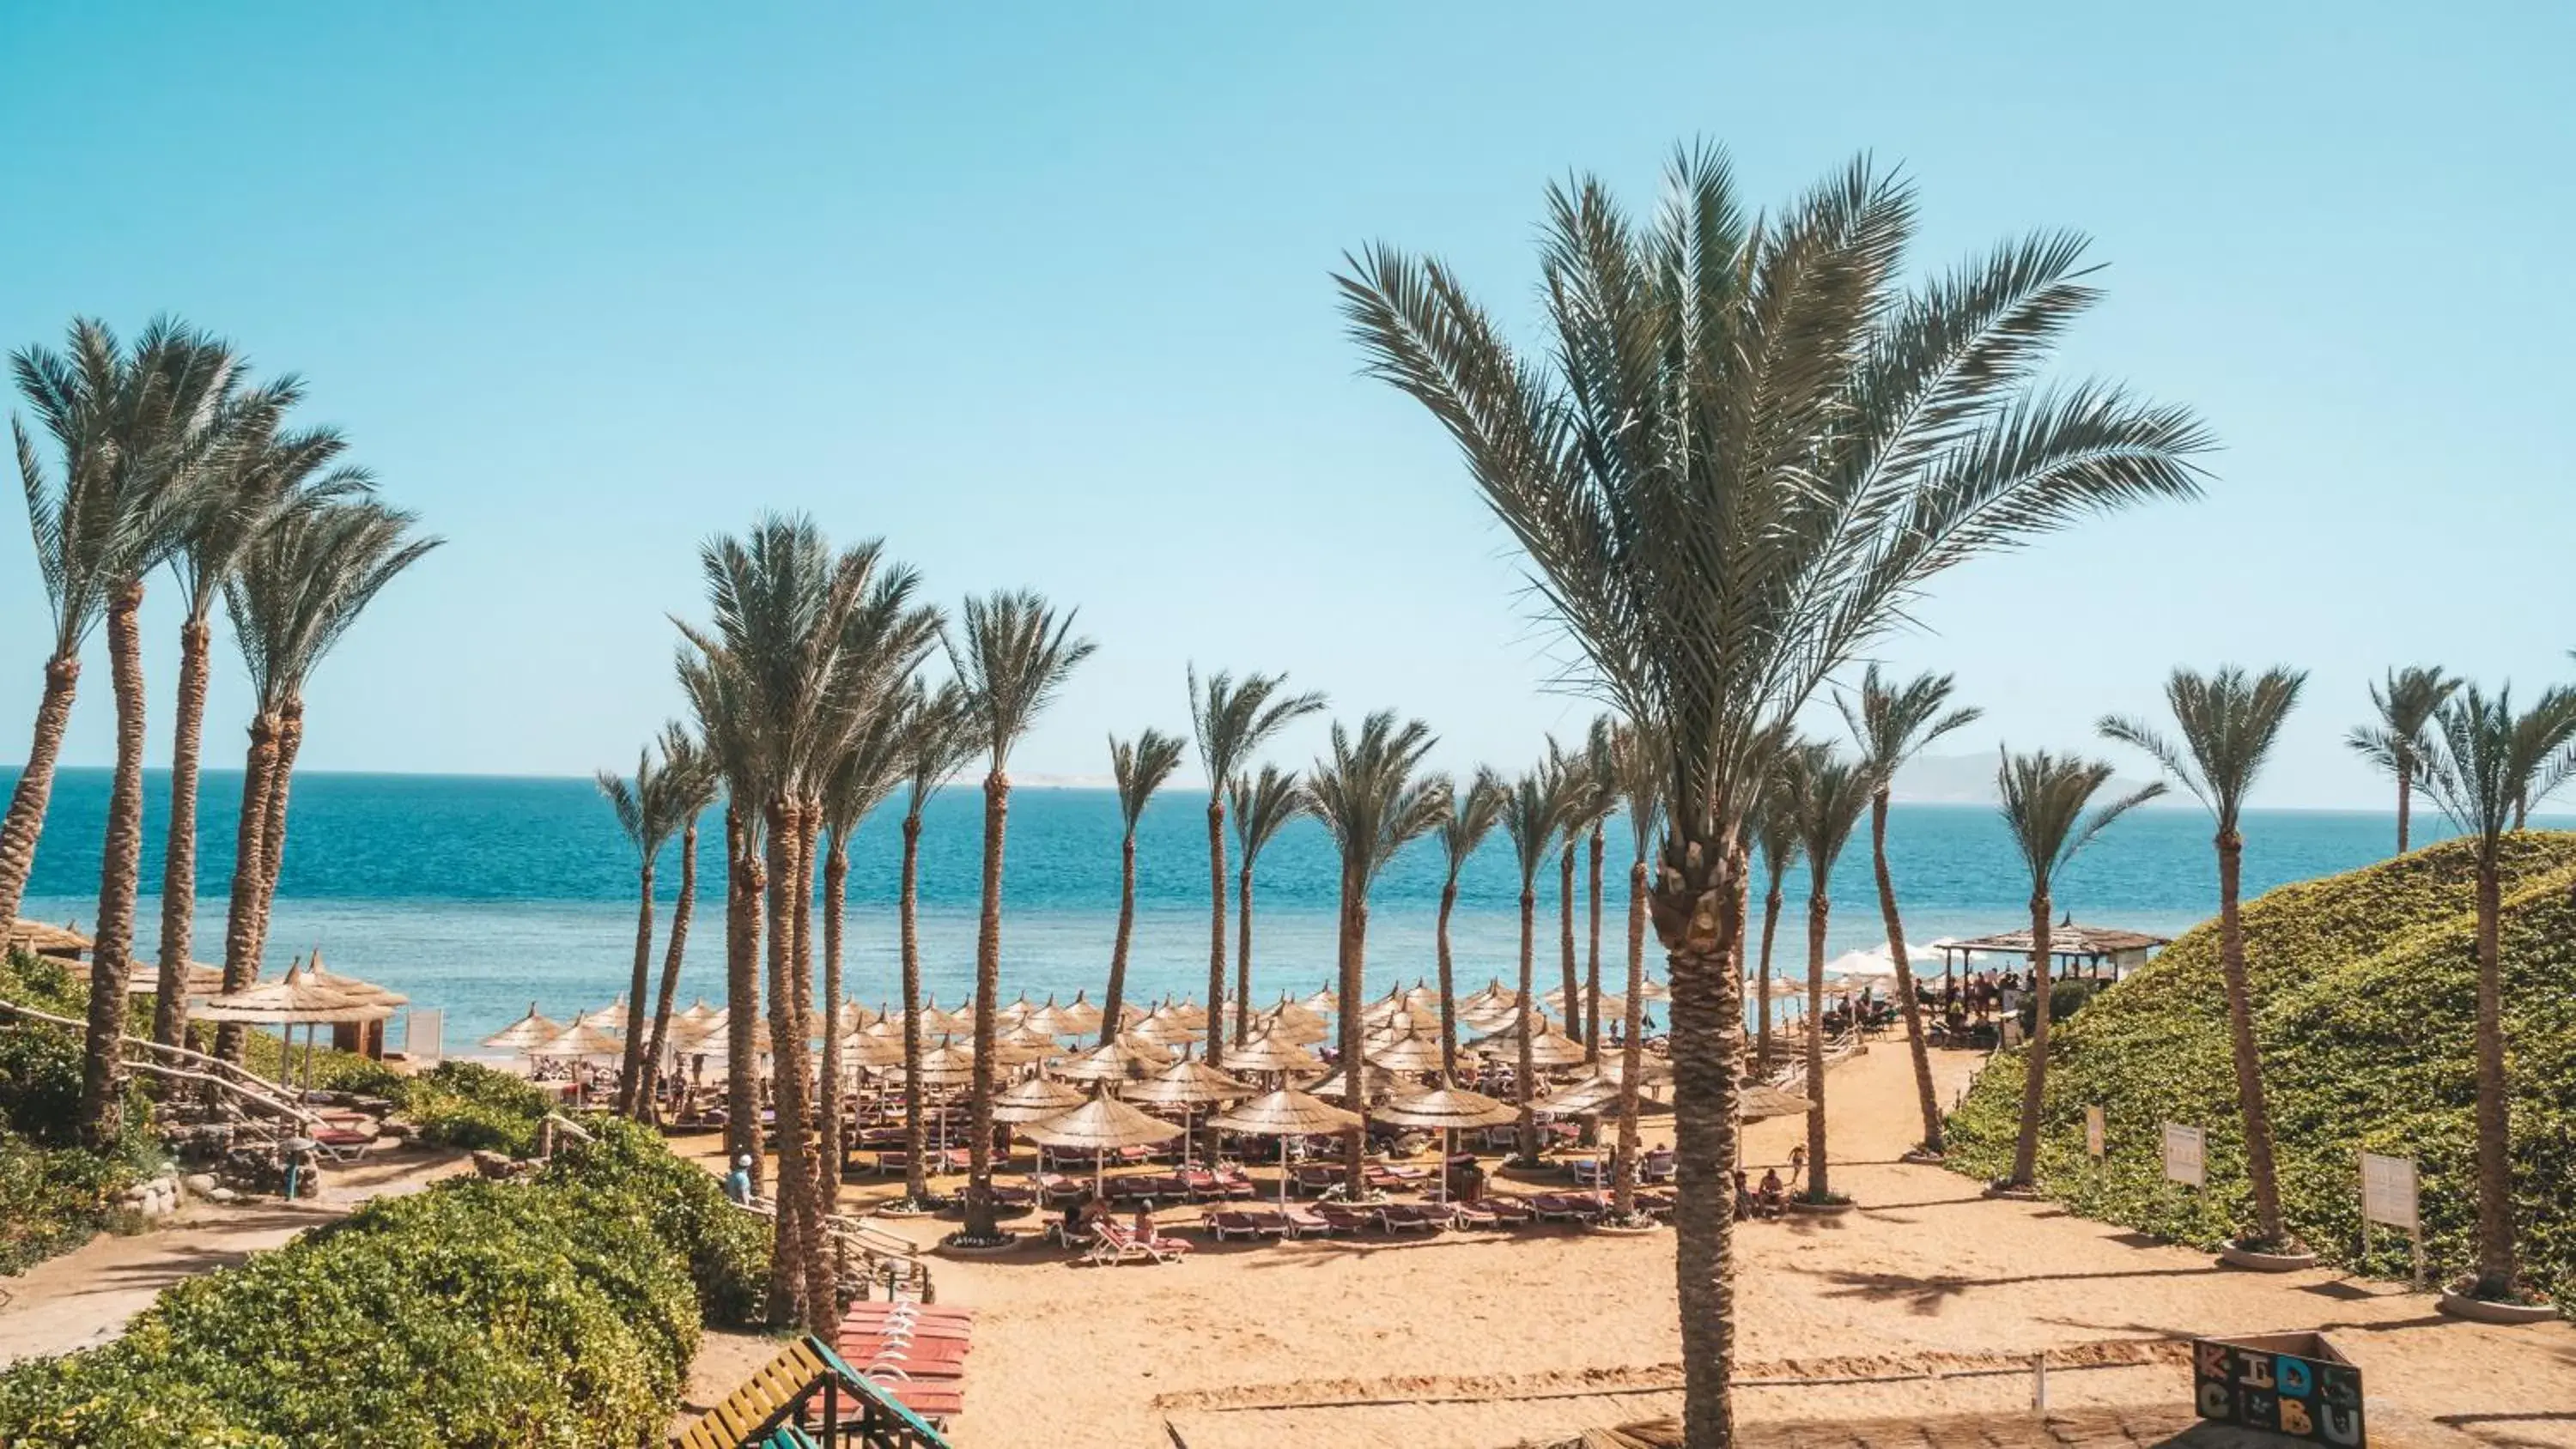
<point>2260,1262</point>
<point>2487,1310</point>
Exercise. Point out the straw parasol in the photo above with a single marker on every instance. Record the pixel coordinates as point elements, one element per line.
<point>1099,1064</point>
<point>1035,1100</point>
<point>1146,1052</point>
<point>1338,1084</point>
<point>1547,1047</point>
<point>293,1000</point>
<point>1613,1067</point>
<point>935,1022</point>
<point>698,1010</point>
<point>1584,1097</point>
<point>200,982</point>
<point>44,940</point>
<point>1023,1043</point>
<point>1406,1053</point>
<point>1446,1109</point>
<point>1015,1013</point>
<point>1081,1018</point>
<point>1189,1084</point>
<point>1101,1126</point>
<point>1322,1002</point>
<point>1188,1013</point>
<point>579,1039</point>
<point>1052,1019</point>
<point>874,1052</point>
<point>528,1031</point>
<point>1284,1115</point>
<point>946,1066</point>
<point>1762,1101</point>
<point>1162,1026</point>
<point>1654,990</point>
<point>1270,1052</point>
<point>1300,1028</point>
<point>350,985</point>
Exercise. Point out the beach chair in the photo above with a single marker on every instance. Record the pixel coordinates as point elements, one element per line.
<point>1656,1166</point>
<point>1316,1177</point>
<point>893,1162</point>
<point>1056,1189</point>
<point>1473,1215</point>
<point>1589,1171</point>
<point>1509,1209</point>
<point>1406,1217</point>
<point>1231,1223</point>
<point>1342,1217</point>
<point>1303,1220</point>
<point>811,1396</point>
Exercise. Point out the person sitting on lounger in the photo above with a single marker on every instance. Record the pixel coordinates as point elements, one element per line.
<point>1077,1216</point>
<point>1743,1197</point>
<point>1774,1196</point>
<point>1142,1225</point>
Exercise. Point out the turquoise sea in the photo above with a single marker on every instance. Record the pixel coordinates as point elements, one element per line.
<point>480,894</point>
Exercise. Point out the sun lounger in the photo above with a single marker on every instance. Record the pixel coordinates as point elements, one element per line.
<point>1113,1244</point>
<point>1404,1217</point>
<point>1231,1223</point>
<point>1342,1217</point>
<point>1315,1177</point>
<point>1571,1206</point>
<point>1657,1166</point>
<point>1509,1210</point>
<point>1589,1171</point>
<point>1057,1189</point>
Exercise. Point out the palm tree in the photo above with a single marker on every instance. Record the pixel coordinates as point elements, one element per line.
<point>300,585</point>
<point>1574,775</point>
<point>1366,793</point>
<point>1263,805</point>
<point>644,810</point>
<point>130,430</point>
<point>1601,772</point>
<point>1533,812</point>
<point>873,760</point>
<point>259,471</point>
<point>716,692</point>
<point>2044,798</point>
<point>1140,766</point>
<point>1743,450</point>
<point>1775,829</point>
<point>1892,723</point>
<point>689,772</point>
<point>1015,655</point>
<point>2406,705</point>
<point>1230,722</point>
<point>2483,765</point>
<point>1826,793</point>
<point>2228,724</point>
<point>943,736</point>
<point>1473,814</point>
<point>1636,764</point>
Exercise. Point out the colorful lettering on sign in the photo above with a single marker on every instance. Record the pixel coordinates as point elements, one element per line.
<point>2286,1393</point>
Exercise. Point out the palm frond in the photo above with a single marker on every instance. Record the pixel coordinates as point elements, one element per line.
<point>1140,766</point>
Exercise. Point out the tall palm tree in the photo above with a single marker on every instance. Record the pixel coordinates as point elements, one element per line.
<point>1371,800</point>
<point>1262,805</point>
<point>1601,772</point>
<point>1015,654</point>
<point>1892,723</point>
<point>1231,721</point>
<point>2397,743</point>
<point>2484,763</point>
<point>1774,828</point>
<point>130,430</point>
<point>944,735</point>
<point>1533,813</point>
<point>300,586</point>
<point>1574,776</point>
<point>2228,724</point>
<point>1473,814</point>
<point>726,724</point>
<point>1826,792</point>
<point>2044,798</point>
<point>1743,449</point>
<point>1140,766</point>
<point>1636,766</point>
<point>258,471</point>
<point>644,808</point>
<point>689,772</point>
<point>872,761</point>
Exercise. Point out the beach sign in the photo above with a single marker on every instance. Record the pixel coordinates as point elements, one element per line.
<point>2093,1133</point>
<point>2293,1384</point>
<point>2186,1155</point>
<point>2388,1197</point>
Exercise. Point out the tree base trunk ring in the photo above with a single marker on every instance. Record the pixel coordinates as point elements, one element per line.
<point>958,1244</point>
<point>2488,1310</point>
<point>1923,1157</point>
<point>2014,1192</point>
<point>2261,1262</point>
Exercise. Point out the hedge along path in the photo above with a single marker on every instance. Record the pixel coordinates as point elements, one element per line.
<point>86,1297</point>
<point>2364,985</point>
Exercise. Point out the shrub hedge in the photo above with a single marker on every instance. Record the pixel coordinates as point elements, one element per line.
<point>54,1194</point>
<point>560,1311</point>
<point>2364,987</point>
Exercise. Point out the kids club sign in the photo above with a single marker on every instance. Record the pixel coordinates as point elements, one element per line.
<point>2284,1383</point>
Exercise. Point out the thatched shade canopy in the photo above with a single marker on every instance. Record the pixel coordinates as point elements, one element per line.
<point>1270,1052</point>
<point>1036,1100</point>
<point>1052,1019</point>
<point>1445,1109</point>
<point>946,1066</point>
<point>1763,1101</point>
<point>1103,1124</point>
<point>1285,1113</point>
<point>1080,1017</point>
<point>1406,1053</point>
<point>580,1039</point>
<point>35,936</point>
<point>1189,1084</point>
<point>1547,1048</point>
<point>1338,1084</point>
<point>1112,1063</point>
<point>294,999</point>
<point>525,1034</point>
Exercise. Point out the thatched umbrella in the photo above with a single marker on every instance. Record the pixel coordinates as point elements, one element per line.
<point>1271,1052</point>
<point>1406,1053</point>
<point>1052,1019</point>
<point>1547,1047</point>
<point>1035,1100</point>
<point>1188,1012</point>
<point>202,981</point>
<point>350,985</point>
<point>579,1038</point>
<point>293,1000</point>
<point>1111,1063</point>
<point>1081,1018</point>
<point>1147,1052</point>
<point>946,1065</point>
<point>528,1031</point>
<point>1323,1002</point>
<point>1338,1084</point>
<point>1491,997</point>
<point>935,1022</point>
<point>1447,1109</point>
<point>874,1052</point>
<point>1654,991</point>
<point>1163,1027</point>
<point>1762,1101</point>
<point>1298,1026</point>
<point>1101,1126</point>
<point>698,1010</point>
<point>1188,1084</point>
<point>1015,1013</point>
<point>1284,1114</point>
<point>1023,1043</point>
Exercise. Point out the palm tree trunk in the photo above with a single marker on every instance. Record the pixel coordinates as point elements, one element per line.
<point>1243,952</point>
<point>1565,942</point>
<point>1772,900</point>
<point>26,818</point>
<point>1818,909</point>
<point>916,1173</point>
<point>1216,927</point>
<point>2249,1065</point>
<point>179,855</point>
<point>821,1282</point>
<point>787,1303</point>
<point>1354,991</point>
<point>980,1220</point>
<point>2405,804</point>
<point>2034,1084</point>
<point>1448,983</point>
<point>1908,1000</point>
<point>1117,994</point>
<point>836,884</point>
<point>119,870</point>
<point>1623,1182</point>
<point>272,838</point>
<point>681,910</point>
<point>2497,1270</point>
<point>1592,961</point>
<point>1525,1070</point>
<point>630,1079</point>
<point>242,936</point>
<point>744,882</point>
<point>1701,917</point>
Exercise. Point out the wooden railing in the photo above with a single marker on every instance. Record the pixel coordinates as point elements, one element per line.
<point>182,1064</point>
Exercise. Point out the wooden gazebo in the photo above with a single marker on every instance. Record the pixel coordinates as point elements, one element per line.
<point>2073,950</point>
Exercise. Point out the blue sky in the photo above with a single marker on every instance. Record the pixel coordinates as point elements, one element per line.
<point>1041,295</point>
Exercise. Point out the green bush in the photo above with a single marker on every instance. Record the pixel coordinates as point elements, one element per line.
<point>54,1194</point>
<point>559,1312</point>
<point>2364,986</point>
<point>2064,1000</point>
<point>471,1106</point>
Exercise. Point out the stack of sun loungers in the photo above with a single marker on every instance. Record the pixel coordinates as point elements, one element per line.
<point>915,1352</point>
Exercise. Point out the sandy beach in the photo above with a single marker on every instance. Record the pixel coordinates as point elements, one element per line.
<point>1929,1299</point>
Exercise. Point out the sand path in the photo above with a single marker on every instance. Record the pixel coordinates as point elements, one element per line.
<point>85,1297</point>
<point>1464,1340</point>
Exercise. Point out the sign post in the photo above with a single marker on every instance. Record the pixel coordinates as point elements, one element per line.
<point>2388,1196</point>
<point>2093,1134</point>
<point>2186,1155</point>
